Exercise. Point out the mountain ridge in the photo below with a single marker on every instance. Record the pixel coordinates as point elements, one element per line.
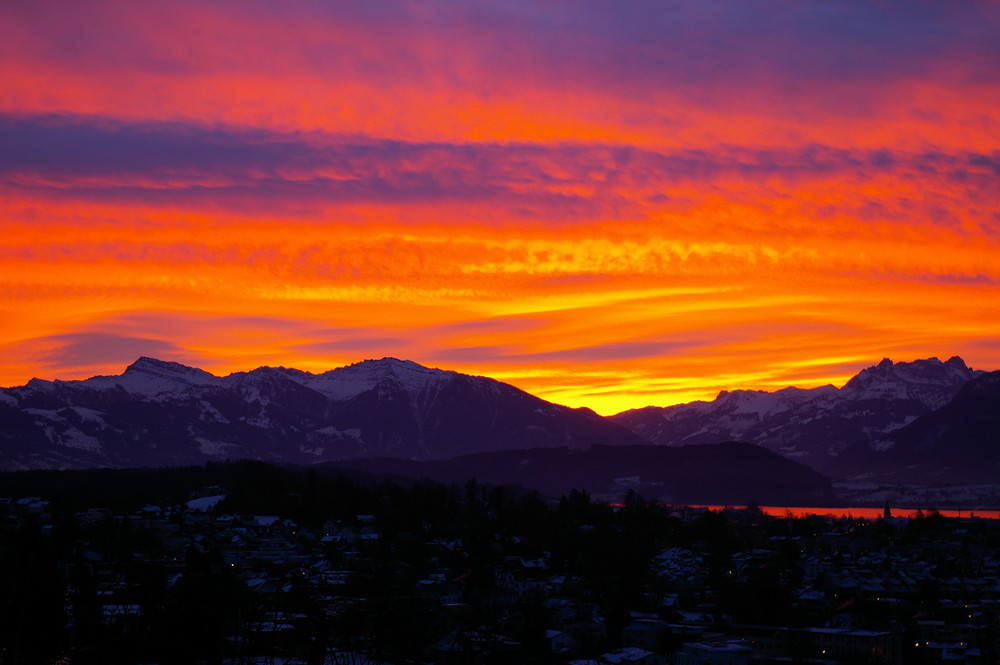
<point>958,443</point>
<point>729,473</point>
<point>810,425</point>
<point>158,413</point>
<point>161,412</point>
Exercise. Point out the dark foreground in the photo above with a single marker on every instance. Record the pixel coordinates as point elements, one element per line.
<point>289,566</point>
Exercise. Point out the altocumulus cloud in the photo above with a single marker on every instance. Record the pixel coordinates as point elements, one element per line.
<point>160,163</point>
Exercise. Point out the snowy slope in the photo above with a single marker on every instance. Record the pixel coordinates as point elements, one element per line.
<point>159,412</point>
<point>809,425</point>
<point>352,380</point>
<point>147,376</point>
<point>956,444</point>
<point>931,382</point>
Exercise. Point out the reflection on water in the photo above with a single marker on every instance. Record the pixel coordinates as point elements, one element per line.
<point>867,513</point>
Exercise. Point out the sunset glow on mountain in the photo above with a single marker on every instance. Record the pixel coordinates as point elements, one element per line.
<point>605,204</point>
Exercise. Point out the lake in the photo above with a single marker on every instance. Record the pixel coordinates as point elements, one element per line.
<point>867,513</point>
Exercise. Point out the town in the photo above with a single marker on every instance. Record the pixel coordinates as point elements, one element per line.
<point>254,563</point>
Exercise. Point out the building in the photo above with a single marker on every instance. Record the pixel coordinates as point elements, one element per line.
<point>728,652</point>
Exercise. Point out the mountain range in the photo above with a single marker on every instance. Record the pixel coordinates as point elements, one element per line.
<point>920,421</point>
<point>814,426</point>
<point>162,413</point>
<point>958,444</point>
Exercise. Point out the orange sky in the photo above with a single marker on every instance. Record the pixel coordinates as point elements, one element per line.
<point>606,205</point>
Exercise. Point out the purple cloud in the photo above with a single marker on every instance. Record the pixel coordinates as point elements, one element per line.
<point>94,348</point>
<point>250,171</point>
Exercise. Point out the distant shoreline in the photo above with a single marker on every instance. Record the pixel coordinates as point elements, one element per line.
<point>868,512</point>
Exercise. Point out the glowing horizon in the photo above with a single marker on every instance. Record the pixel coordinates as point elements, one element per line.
<point>607,206</point>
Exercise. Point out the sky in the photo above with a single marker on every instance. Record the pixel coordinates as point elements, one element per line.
<point>608,204</point>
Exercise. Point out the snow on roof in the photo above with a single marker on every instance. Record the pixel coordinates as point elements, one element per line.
<point>205,503</point>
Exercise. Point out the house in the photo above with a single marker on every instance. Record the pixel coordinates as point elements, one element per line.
<point>346,536</point>
<point>369,533</point>
<point>633,656</point>
<point>465,646</point>
<point>521,584</point>
<point>561,641</point>
<point>844,644</point>
<point>32,504</point>
<point>645,633</point>
<point>726,652</point>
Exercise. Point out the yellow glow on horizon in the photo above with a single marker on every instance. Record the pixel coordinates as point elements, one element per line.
<point>605,224</point>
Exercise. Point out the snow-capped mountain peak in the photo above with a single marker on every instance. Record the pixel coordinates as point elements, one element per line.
<point>751,402</point>
<point>154,367</point>
<point>928,381</point>
<point>351,380</point>
<point>166,413</point>
<point>762,404</point>
<point>810,424</point>
<point>146,377</point>
<point>149,376</point>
